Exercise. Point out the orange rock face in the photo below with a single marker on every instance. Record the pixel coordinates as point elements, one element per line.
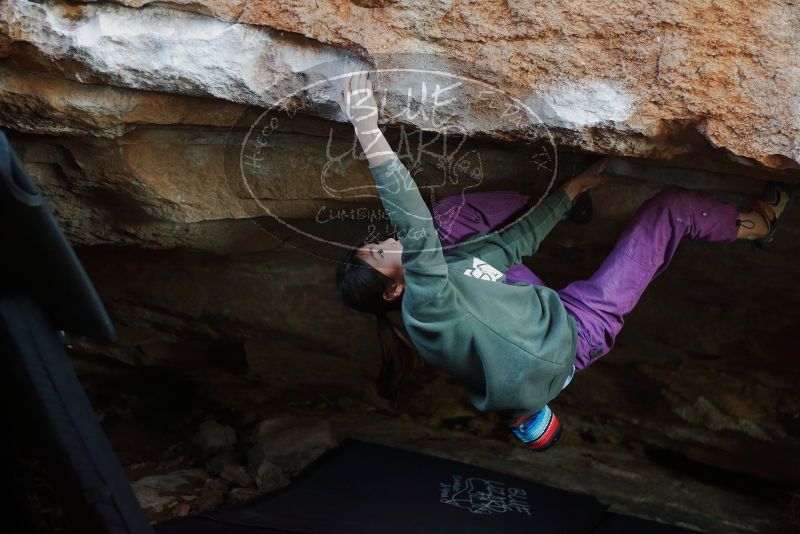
<point>729,69</point>
<point>604,75</point>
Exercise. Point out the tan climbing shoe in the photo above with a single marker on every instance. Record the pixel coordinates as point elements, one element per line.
<point>774,202</point>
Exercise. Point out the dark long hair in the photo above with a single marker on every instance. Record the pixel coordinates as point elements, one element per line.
<point>361,287</point>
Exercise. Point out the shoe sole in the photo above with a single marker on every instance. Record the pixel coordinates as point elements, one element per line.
<point>767,239</point>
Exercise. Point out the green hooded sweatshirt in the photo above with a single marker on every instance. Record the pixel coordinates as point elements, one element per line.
<point>512,345</point>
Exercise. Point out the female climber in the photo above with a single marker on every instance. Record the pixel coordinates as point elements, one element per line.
<point>471,310</point>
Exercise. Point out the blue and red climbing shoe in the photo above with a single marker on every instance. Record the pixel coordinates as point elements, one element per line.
<point>538,431</point>
<point>775,201</point>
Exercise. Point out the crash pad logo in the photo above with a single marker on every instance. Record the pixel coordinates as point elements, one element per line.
<point>481,496</point>
<point>483,271</point>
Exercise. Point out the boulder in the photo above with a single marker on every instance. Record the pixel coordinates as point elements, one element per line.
<point>290,443</point>
<point>632,78</point>
<point>213,437</point>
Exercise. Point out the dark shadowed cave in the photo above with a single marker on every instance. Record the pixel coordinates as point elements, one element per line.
<point>693,419</point>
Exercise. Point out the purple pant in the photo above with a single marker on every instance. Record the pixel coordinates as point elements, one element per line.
<point>641,253</point>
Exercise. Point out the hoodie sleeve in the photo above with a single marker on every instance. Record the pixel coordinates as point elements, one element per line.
<point>422,257</point>
<point>508,247</point>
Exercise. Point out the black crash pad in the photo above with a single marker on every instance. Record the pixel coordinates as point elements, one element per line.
<point>365,488</point>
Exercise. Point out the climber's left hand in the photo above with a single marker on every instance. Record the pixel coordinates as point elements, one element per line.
<point>357,101</point>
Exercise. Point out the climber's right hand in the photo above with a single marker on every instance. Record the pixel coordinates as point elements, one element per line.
<point>591,177</point>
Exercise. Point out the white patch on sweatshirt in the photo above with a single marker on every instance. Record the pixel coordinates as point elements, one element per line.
<point>483,271</point>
